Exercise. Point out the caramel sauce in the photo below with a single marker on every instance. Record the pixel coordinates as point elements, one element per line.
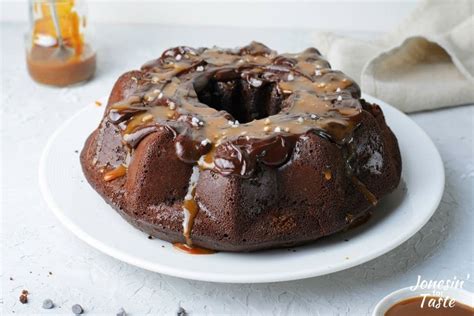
<point>46,69</point>
<point>327,174</point>
<point>369,196</point>
<point>311,98</point>
<point>193,250</point>
<point>113,174</point>
<point>190,207</point>
<point>314,98</point>
<point>412,307</point>
<point>69,23</point>
<point>75,63</point>
<point>358,221</point>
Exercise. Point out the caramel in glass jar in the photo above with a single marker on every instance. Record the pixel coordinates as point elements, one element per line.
<point>57,53</point>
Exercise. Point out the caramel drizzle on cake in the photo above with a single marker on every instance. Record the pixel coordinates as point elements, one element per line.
<point>310,96</point>
<point>115,173</point>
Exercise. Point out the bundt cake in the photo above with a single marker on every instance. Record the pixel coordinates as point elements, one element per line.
<point>240,149</point>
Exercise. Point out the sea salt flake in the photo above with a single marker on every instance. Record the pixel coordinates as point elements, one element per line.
<point>194,121</point>
<point>206,141</point>
<point>255,82</point>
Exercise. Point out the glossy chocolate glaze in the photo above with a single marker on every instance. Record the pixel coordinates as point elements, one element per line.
<point>306,93</point>
<point>237,113</point>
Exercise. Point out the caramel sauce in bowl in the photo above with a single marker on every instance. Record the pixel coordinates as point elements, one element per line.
<point>407,302</point>
<point>420,306</point>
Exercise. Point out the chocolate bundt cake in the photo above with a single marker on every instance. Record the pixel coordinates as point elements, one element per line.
<point>240,149</point>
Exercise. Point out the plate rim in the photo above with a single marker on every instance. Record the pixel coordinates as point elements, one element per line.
<point>219,277</point>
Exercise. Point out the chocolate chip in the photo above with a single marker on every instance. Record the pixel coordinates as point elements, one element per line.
<point>150,237</point>
<point>181,312</point>
<point>48,304</point>
<point>121,312</point>
<point>23,298</point>
<point>77,309</point>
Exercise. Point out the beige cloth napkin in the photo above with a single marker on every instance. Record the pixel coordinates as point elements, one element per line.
<point>426,63</point>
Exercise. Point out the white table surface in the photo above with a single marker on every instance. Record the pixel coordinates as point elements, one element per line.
<point>34,243</point>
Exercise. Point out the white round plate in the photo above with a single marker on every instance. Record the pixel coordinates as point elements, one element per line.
<point>397,217</point>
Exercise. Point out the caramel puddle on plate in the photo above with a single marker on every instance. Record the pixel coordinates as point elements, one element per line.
<point>193,250</point>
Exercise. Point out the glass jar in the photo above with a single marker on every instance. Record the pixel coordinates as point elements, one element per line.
<point>58,51</point>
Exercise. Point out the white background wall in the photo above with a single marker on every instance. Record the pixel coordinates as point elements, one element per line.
<point>342,15</point>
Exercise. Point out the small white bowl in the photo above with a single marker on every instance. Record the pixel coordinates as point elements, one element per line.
<point>460,295</point>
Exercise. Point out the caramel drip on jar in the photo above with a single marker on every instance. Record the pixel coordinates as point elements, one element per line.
<point>113,174</point>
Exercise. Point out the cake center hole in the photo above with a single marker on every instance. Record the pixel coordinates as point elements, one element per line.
<point>240,99</point>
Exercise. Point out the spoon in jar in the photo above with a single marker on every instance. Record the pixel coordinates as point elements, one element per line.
<point>63,52</point>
